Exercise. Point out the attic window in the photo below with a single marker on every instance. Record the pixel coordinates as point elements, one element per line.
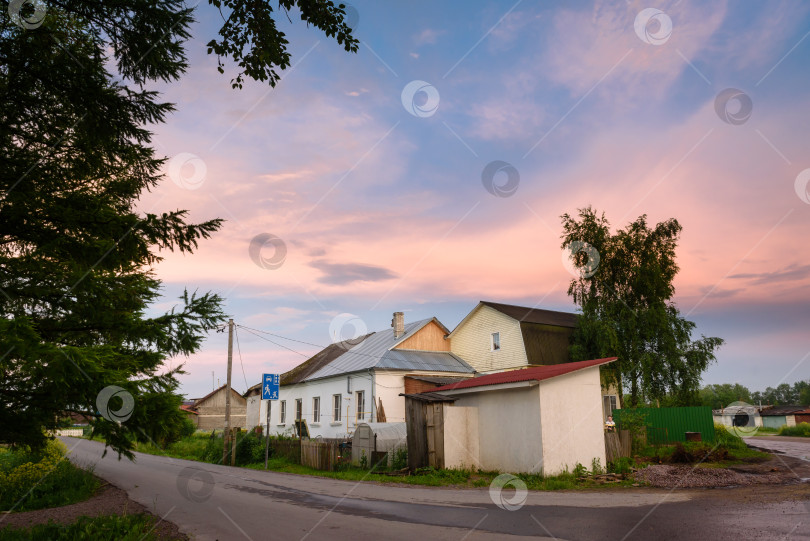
<point>496,341</point>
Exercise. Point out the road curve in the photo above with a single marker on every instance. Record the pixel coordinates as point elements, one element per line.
<point>211,502</point>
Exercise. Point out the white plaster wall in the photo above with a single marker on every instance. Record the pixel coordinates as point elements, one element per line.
<point>571,415</point>
<point>509,436</point>
<point>472,341</point>
<point>461,438</point>
<point>325,389</point>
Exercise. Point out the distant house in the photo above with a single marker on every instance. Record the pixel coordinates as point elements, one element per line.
<point>495,337</point>
<point>208,412</point>
<point>543,419</point>
<point>779,416</point>
<point>740,416</point>
<point>354,382</point>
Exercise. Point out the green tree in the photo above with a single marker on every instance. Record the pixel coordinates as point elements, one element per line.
<point>623,287</point>
<point>721,395</point>
<point>804,395</point>
<point>77,259</point>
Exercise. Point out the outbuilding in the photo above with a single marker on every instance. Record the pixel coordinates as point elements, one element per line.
<point>779,416</point>
<point>543,419</point>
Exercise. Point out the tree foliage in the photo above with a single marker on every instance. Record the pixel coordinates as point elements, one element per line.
<point>624,290</point>
<point>721,395</point>
<point>77,258</point>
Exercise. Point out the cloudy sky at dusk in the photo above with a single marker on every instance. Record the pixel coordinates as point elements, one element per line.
<point>376,191</point>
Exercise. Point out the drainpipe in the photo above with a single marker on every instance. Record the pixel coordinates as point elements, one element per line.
<point>373,397</point>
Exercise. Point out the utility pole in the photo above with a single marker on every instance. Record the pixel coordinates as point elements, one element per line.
<point>227,433</point>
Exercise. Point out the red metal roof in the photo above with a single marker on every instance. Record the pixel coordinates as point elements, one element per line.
<point>536,373</point>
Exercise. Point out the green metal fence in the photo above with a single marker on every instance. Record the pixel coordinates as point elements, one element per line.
<point>667,425</point>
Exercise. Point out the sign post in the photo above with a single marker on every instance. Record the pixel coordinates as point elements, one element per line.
<point>270,384</point>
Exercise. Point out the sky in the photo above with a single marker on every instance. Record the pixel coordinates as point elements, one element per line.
<point>430,170</point>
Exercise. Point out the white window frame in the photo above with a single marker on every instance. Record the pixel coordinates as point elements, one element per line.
<point>612,401</point>
<point>495,341</point>
<point>337,404</point>
<point>316,409</point>
<point>299,409</point>
<point>282,415</point>
<point>361,405</point>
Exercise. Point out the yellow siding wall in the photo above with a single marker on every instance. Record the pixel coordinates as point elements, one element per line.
<point>472,341</point>
<point>428,338</point>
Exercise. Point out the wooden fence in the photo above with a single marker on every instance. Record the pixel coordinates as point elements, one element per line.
<point>617,444</point>
<point>321,455</point>
<point>289,449</point>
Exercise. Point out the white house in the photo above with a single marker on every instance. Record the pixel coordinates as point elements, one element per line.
<point>359,381</point>
<point>543,419</point>
<point>496,337</point>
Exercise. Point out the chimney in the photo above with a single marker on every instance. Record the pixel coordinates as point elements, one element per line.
<point>398,323</point>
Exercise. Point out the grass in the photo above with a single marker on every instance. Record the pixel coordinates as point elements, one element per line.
<point>801,430</point>
<point>202,447</point>
<point>32,480</point>
<point>728,449</point>
<point>104,528</point>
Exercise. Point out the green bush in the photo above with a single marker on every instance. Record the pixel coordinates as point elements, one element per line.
<point>105,528</point>
<point>187,428</point>
<point>726,438</point>
<point>621,465</point>
<point>400,460</point>
<point>802,430</point>
<point>39,479</point>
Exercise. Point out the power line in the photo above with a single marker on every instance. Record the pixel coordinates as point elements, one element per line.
<point>239,349</point>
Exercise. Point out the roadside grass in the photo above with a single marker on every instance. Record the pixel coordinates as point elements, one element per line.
<point>801,430</point>
<point>728,449</point>
<point>105,528</point>
<point>32,480</point>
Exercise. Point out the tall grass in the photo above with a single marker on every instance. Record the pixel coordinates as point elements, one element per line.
<point>801,430</point>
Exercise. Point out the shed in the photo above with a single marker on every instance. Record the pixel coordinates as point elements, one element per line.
<point>802,416</point>
<point>373,439</point>
<point>779,416</point>
<point>543,419</point>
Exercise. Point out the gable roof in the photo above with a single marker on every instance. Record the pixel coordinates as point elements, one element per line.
<point>198,401</point>
<point>376,350</point>
<point>535,315</point>
<point>537,373</point>
<point>524,315</point>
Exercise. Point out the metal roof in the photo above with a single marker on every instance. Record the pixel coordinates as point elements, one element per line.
<point>375,352</point>
<point>538,373</point>
<point>780,410</point>
<point>535,315</point>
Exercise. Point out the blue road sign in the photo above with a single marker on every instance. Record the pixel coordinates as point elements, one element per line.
<point>270,387</point>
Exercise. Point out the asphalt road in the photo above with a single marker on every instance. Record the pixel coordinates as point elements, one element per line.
<point>218,502</point>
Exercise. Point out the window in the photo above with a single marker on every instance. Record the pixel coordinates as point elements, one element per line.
<point>496,341</point>
<point>298,409</point>
<point>316,409</point>
<point>283,414</point>
<point>361,405</point>
<point>336,405</point>
<point>609,404</point>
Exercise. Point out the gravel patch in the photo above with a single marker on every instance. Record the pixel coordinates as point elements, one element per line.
<point>682,476</point>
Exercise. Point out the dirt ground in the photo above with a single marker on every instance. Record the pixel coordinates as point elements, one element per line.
<point>109,500</point>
